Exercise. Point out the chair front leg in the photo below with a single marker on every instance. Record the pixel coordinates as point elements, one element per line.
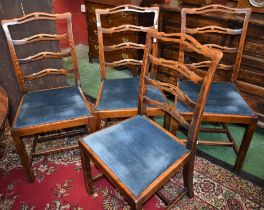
<point>97,122</point>
<point>26,163</point>
<point>245,145</point>
<point>87,172</point>
<point>91,125</point>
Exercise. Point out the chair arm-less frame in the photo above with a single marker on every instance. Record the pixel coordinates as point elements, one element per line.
<point>117,98</point>
<point>225,102</point>
<point>50,109</point>
<point>139,156</point>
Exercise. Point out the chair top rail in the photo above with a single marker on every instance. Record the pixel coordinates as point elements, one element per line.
<point>36,16</point>
<point>128,8</point>
<point>40,37</point>
<point>216,8</point>
<point>47,72</point>
<point>44,55</point>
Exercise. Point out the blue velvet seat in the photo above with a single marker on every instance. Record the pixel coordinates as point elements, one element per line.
<point>136,151</point>
<point>123,94</point>
<point>223,99</point>
<point>51,106</point>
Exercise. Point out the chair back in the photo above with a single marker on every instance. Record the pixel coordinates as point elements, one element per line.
<point>37,39</point>
<point>227,35</point>
<point>150,60</point>
<point>125,44</point>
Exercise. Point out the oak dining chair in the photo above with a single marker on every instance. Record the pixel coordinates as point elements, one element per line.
<point>50,110</point>
<point>225,104</point>
<point>117,98</point>
<point>139,156</point>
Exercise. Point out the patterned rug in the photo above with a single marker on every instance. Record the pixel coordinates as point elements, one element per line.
<point>60,185</point>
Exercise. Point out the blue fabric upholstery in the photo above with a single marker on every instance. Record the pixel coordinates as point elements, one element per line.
<point>136,151</point>
<point>223,99</point>
<point>51,106</point>
<point>123,94</point>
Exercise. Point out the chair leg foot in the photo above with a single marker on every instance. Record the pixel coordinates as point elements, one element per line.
<point>188,177</point>
<point>136,206</point>
<point>26,163</point>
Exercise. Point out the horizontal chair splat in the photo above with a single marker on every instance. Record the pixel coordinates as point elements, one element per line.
<point>124,62</point>
<point>46,72</point>
<point>222,48</point>
<point>127,8</point>
<point>126,45</point>
<point>174,64</point>
<point>224,67</point>
<point>44,55</point>
<point>127,27</point>
<point>213,29</point>
<point>169,109</point>
<point>40,37</point>
<point>206,64</point>
<point>173,90</point>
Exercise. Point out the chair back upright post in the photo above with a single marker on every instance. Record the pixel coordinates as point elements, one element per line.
<point>17,62</point>
<point>123,9</point>
<point>213,56</point>
<point>234,15</point>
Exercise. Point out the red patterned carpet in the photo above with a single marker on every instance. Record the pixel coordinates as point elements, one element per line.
<point>60,185</point>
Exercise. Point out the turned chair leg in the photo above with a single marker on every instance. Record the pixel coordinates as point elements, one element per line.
<point>188,176</point>
<point>86,165</point>
<point>26,163</point>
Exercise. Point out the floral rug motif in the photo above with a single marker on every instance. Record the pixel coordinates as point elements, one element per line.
<point>60,185</point>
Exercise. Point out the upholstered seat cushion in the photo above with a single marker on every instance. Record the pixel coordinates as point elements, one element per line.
<point>223,99</point>
<point>123,94</point>
<point>51,106</point>
<point>136,151</point>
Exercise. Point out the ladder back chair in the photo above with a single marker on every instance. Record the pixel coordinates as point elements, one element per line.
<point>225,103</point>
<point>139,156</point>
<point>118,97</point>
<point>45,110</point>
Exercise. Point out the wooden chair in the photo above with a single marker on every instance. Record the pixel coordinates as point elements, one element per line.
<point>117,98</point>
<point>139,156</point>
<point>50,109</point>
<point>225,103</point>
